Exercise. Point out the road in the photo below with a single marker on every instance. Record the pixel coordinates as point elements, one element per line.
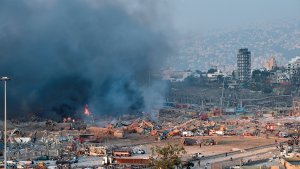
<point>265,151</point>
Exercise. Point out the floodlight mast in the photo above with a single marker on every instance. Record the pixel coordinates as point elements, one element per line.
<point>5,79</point>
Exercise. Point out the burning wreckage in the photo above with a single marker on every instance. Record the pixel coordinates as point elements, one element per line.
<point>127,141</point>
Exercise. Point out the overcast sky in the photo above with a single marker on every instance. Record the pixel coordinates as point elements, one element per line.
<point>202,15</point>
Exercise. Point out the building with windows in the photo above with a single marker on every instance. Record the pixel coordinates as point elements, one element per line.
<point>280,77</point>
<point>244,65</point>
<point>296,106</point>
<point>175,76</point>
<point>293,66</point>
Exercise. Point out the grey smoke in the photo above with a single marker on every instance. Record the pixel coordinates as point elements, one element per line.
<point>65,54</point>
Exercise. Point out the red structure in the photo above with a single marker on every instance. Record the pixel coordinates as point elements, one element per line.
<point>132,161</point>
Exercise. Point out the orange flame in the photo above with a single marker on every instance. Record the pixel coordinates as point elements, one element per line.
<point>86,110</point>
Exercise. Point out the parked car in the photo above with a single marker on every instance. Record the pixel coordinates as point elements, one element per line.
<point>139,151</point>
<point>283,134</point>
<point>12,162</point>
<point>197,156</point>
<point>74,160</point>
<point>42,158</point>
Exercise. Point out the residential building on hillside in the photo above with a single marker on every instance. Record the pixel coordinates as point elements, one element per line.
<point>215,75</point>
<point>280,77</point>
<point>176,76</point>
<point>293,66</point>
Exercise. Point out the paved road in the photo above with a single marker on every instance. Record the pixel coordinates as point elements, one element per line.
<point>245,155</point>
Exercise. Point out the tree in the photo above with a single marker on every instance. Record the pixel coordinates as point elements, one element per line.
<point>260,81</point>
<point>195,81</point>
<point>220,78</point>
<point>166,157</point>
<point>267,89</point>
<point>211,70</point>
<point>260,76</point>
<point>256,75</point>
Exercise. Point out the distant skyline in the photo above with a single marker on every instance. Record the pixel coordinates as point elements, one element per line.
<point>194,16</point>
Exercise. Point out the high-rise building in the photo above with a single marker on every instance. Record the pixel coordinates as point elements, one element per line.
<point>244,65</point>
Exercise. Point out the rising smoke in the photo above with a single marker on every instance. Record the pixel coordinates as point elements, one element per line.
<point>65,54</point>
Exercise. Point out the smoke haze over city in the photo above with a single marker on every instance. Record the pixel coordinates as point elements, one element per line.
<point>65,54</point>
<point>62,55</point>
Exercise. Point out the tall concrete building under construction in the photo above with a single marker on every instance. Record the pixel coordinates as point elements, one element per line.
<point>244,65</point>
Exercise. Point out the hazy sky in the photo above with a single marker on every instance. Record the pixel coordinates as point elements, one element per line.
<point>202,15</point>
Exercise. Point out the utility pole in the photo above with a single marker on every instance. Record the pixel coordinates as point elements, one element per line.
<point>223,88</point>
<point>222,93</point>
<point>47,144</point>
<point>4,79</point>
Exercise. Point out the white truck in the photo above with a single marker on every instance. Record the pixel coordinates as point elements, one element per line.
<point>187,134</point>
<point>220,132</point>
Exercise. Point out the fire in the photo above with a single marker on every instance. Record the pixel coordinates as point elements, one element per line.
<point>86,110</point>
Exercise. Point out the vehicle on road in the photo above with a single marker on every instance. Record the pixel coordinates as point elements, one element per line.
<point>139,151</point>
<point>197,156</point>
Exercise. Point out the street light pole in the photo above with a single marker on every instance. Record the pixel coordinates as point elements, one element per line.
<point>4,79</point>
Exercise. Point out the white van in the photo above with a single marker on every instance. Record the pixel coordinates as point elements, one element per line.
<point>187,134</point>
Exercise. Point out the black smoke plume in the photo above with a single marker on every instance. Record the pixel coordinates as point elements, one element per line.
<point>65,54</point>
